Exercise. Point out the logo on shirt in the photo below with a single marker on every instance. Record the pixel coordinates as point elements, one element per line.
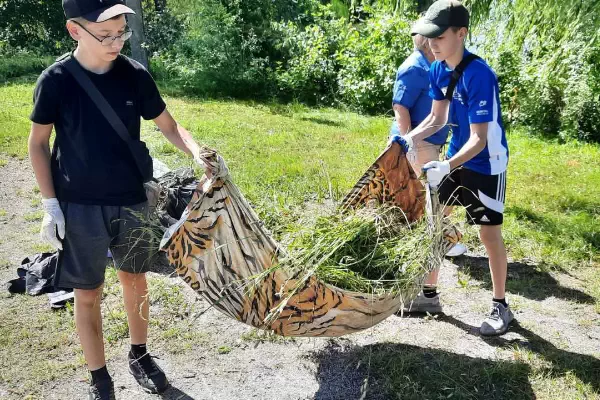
<point>482,103</point>
<point>129,103</point>
<point>482,112</point>
<point>456,95</point>
<point>485,219</point>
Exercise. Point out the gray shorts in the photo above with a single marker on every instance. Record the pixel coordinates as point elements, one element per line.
<point>90,231</point>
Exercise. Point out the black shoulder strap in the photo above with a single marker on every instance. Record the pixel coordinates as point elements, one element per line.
<point>457,73</point>
<point>84,81</point>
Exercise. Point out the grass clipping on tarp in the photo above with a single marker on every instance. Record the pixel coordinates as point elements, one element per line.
<point>371,250</point>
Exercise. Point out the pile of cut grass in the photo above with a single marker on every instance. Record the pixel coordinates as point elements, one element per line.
<point>368,251</point>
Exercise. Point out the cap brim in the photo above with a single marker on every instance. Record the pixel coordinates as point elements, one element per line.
<point>104,14</point>
<point>427,29</point>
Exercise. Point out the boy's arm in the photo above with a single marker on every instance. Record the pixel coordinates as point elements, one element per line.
<point>402,118</point>
<point>475,144</point>
<point>177,134</point>
<point>435,121</point>
<point>39,154</point>
<point>53,223</point>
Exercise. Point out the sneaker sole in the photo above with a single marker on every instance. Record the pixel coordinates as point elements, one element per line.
<point>501,332</point>
<point>149,390</point>
<point>423,310</point>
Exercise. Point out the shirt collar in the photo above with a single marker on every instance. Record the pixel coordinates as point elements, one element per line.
<point>423,60</point>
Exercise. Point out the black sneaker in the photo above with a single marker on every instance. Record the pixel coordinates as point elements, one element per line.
<point>148,374</point>
<point>103,390</point>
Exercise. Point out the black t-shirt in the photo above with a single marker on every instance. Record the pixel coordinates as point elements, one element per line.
<point>90,163</point>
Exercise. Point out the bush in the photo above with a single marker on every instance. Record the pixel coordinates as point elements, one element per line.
<point>308,69</point>
<point>22,64</point>
<point>369,55</point>
<point>581,115</point>
<point>162,28</point>
<point>33,25</point>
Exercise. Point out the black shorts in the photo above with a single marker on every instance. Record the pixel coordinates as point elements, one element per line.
<point>481,195</point>
<point>91,231</point>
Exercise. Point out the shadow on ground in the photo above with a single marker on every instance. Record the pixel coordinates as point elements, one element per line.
<point>528,280</point>
<point>585,367</point>
<point>398,371</point>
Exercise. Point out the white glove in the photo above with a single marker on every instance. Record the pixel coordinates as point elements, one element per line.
<point>53,220</point>
<point>436,171</point>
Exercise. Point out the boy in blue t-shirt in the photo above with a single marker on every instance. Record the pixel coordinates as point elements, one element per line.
<point>411,103</point>
<point>90,183</point>
<point>474,172</point>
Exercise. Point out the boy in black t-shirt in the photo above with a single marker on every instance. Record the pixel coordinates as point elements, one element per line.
<point>91,186</point>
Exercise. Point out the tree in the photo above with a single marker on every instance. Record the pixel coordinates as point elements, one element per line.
<point>136,22</point>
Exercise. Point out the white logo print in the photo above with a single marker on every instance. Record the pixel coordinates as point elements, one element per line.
<point>485,219</point>
<point>482,103</point>
<point>444,90</point>
<point>129,103</point>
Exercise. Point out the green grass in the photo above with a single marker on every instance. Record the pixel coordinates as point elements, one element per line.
<point>36,347</point>
<point>286,158</point>
<point>284,155</point>
<point>34,216</point>
<point>224,349</point>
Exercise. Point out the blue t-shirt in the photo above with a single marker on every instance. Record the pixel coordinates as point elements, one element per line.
<point>475,100</point>
<point>411,90</point>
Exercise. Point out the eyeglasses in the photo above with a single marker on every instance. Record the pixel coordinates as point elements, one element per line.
<point>108,40</point>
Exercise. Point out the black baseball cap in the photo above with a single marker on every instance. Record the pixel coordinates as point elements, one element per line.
<point>95,10</point>
<point>440,16</point>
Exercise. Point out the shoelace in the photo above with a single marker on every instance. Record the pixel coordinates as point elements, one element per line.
<point>147,364</point>
<point>495,313</point>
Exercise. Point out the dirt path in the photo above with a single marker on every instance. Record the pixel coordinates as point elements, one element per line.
<point>557,333</point>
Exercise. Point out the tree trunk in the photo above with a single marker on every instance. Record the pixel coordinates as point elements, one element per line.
<point>159,5</point>
<point>136,22</point>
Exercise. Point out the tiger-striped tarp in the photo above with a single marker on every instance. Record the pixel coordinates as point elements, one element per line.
<point>219,247</point>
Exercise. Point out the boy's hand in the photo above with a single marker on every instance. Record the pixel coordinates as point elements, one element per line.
<point>53,220</point>
<point>204,166</point>
<point>436,171</point>
<point>406,143</point>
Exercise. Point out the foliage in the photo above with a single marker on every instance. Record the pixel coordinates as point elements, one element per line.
<point>308,71</point>
<point>33,25</point>
<point>345,52</point>
<point>368,58</point>
<point>22,64</point>
<point>546,54</point>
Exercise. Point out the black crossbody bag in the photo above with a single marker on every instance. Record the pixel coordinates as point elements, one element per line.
<point>457,73</point>
<point>138,149</point>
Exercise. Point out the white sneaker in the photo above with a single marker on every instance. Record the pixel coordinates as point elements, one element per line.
<point>457,250</point>
<point>498,320</point>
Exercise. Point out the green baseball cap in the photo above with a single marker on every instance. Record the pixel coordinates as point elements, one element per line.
<point>440,16</point>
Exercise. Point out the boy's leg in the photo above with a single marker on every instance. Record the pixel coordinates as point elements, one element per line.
<point>133,253</point>
<point>81,266</point>
<point>484,196</point>
<point>88,321</point>
<point>491,237</point>
<point>425,152</point>
<point>135,298</point>
<point>428,300</point>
